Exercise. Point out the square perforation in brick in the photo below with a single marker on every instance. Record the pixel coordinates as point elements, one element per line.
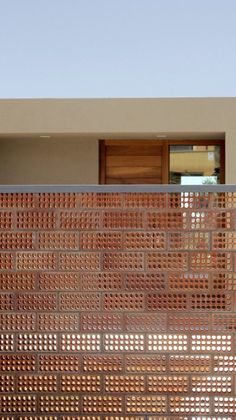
<point>167,220</point>
<point>211,384</point>
<point>146,364</point>
<point>59,404</point>
<point>166,301</point>
<point>37,342</point>
<point>101,322</point>
<point>101,363</point>
<point>17,281</point>
<point>6,220</point>
<point>123,219</point>
<point>189,364</point>
<point>61,363</point>
<point>221,261</point>
<point>80,301</point>
<point>167,342</point>
<point>101,281</point>
<point>7,383</point>
<point>145,322</point>
<point>36,302</point>
<point>144,240</point>
<point>80,342</point>
<point>123,301</point>
<point>124,342</point>
<point>19,240</point>
<point>188,405</point>
<point>212,343</point>
<point>224,364</point>
<point>59,281</point>
<point>125,383</point>
<point>79,220</point>
<point>211,302</point>
<point>37,383</point>
<point>79,261</point>
<point>188,281</point>
<point>58,322</point>
<point>101,240</point>
<point>36,261</point>
<point>81,383</point>
<point>58,240</point>
<point>172,261</point>
<point>35,220</point>
<point>146,404</point>
<point>125,261</point>
<point>167,384</point>
<point>57,200</point>
<point>145,281</point>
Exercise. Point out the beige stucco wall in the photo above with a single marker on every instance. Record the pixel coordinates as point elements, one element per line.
<point>91,119</point>
<point>48,161</point>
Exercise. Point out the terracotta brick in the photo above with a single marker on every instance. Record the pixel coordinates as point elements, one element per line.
<point>167,261</point>
<point>61,363</point>
<point>18,200</point>
<point>144,240</point>
<point>102,404</point>
<point>145,200</point>
<point>6,261</point>
<point>79,261</point>
<point>123,301</point>
<point>36,302</point>
<point>59,281</point>
<point>124,219</point>
<point>19,240</point>
<point>57,200</point>
<point>79,301</point>
<point>6,220</point>
<point>36,220</point>
<point>101,240</point>
<point>36,261</point>
<point>103,363</point>
<point>74,220</point>
<point>130,261</point>
<point>101,281</point>
<point>58,240</point>
<point>101,200</point>
<point>17,281</point>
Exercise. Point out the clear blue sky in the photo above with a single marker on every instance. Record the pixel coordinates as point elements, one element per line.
<point>117,48</point>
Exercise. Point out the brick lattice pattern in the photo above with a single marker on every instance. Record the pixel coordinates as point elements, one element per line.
<point>117,306</point>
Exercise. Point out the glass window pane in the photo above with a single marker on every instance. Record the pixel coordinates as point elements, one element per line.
<point>194,165</point>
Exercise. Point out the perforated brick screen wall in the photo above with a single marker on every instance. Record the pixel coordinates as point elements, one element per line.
<point>117,306</point>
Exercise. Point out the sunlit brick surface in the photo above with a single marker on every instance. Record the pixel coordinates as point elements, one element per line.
<point>118,306</point>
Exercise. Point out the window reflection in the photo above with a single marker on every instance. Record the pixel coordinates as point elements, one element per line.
<point>194,164</point>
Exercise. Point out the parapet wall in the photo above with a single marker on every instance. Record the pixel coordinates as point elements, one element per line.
<point>117,305</point>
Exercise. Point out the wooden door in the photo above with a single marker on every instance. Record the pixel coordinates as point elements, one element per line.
<point>133,162</point>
